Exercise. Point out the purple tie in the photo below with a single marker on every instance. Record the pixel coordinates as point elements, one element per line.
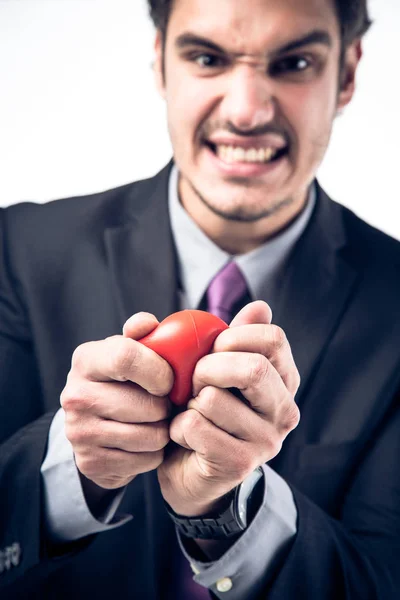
<point>225,290</point>
<point>187,587</point>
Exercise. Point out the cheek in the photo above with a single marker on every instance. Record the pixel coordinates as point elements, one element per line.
<point>189,103</point>
<point>310,112</point>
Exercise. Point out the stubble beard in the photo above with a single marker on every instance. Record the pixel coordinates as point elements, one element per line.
<point>241,214</point>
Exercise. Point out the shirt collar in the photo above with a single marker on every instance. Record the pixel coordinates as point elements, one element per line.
<point>200,259</point>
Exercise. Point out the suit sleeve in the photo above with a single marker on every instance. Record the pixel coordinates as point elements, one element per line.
<point>67,515</point>
<point>355,557</point>
<point>24,430</point>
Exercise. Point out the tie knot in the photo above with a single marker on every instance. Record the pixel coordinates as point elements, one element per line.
<point>225,290</point>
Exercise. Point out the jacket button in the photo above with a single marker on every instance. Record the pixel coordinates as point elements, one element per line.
<point>224,585</point>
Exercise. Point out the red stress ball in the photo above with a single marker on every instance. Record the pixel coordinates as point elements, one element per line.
<point>182,339</point>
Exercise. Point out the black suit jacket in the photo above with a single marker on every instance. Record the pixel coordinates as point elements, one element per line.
<point>75,270</point>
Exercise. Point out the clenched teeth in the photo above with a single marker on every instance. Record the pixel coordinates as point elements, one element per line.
<point>233,154</point>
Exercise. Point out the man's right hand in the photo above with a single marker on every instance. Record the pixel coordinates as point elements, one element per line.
<point>116,406</point>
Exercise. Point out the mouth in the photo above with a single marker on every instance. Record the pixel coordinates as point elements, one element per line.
<point>238,154</point>
<point>246,160</point>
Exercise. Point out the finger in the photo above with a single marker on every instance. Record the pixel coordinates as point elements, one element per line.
<point>139,325</point>
<point>229,413</point>
<point>112,468</point>
<point>124,402</point>
<point>268,340</point>
<point>99,433</point>
<point>121,359</point>
<point>251,373</point>
<point>224,454</point>
<point>193,431</point>
<point>255,312</point>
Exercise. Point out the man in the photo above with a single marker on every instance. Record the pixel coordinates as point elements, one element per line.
<point>252,90</point>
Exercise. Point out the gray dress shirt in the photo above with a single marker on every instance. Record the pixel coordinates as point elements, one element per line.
<point>246,562</point>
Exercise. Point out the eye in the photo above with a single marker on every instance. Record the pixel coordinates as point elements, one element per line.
<point>207,60</point>
<point>290,65</point>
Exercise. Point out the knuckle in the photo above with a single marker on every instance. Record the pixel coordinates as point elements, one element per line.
<point>291,418</point>
<point>86,465</point>
<point>201,370</point>
<point>76,435</point>
<point>71,434</point>
<point>163,406</point>
<point>258,371</point>
<point>193,419</point>
<point>272,444</point>
<point>156,407</point>
<point>68,400</point>
<point>122,355</point>
<point>155,460</point>
<point>79,356</point>
<point>163,380</point>
<point>74,397</point>
<point>161,438</point>
<point>278,337</point>
<point>275,447</point>
<point>207,399</point>
<point>296,381</point>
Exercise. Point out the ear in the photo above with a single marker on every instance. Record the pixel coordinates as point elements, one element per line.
<point>352,58</point>
<point>159,64</point>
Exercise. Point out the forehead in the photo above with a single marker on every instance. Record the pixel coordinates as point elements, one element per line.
<point>246,25</point>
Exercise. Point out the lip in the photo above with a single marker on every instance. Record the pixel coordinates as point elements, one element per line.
<point>274,141</point>
<point>244,170</point>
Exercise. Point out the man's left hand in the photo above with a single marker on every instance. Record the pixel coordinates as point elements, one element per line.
<point>222,438</point>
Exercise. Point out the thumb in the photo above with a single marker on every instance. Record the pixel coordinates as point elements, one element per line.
<point>139,325</point>
<point>258,312</point>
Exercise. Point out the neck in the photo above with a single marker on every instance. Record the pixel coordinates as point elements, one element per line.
<point>240,237</point>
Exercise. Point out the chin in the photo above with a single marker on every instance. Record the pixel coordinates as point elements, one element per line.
<point>245,212</point>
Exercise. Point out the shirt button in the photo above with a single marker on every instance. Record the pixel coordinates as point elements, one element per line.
<point>224,585</point>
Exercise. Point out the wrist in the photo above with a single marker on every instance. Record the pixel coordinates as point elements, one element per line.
<point>96,497</point>
<point>232,514</point>
<point>199,510</point>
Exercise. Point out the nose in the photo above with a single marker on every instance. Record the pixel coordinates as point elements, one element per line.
<point>248,103</point>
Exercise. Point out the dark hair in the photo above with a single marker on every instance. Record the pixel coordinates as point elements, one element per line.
<point>353,17</point>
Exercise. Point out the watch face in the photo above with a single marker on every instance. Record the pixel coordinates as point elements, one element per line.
<point>244,494</point>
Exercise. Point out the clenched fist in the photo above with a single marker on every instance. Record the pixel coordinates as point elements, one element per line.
<point>116,406</point>
<point>222,438</point>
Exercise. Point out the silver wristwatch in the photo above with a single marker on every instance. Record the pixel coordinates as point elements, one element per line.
<point>232,518</point>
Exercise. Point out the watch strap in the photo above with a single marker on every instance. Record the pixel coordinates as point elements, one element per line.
<point>215,527</point>
<point>224,523</point>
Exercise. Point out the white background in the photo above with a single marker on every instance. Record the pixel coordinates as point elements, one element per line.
<point>79,112</point>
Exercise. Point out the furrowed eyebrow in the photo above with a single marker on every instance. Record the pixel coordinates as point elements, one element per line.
<point>190,39</point>
<point>318,36</point>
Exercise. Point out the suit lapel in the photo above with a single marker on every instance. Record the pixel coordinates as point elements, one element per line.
<point>315,288</point>
<point>141,254</point>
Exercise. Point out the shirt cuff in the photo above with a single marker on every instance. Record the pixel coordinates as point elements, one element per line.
<point>244,570</point>
<point>67,514</point>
